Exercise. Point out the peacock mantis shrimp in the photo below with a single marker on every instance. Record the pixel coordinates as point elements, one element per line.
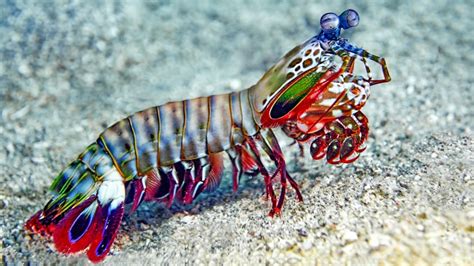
<point>174,151</point>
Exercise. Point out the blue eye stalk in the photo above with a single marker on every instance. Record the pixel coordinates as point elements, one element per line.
<point>329,38</point>
<point>331,24</point>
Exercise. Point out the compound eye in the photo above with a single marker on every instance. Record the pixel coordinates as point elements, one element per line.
<point>329,21</point>
<point>349,19</point>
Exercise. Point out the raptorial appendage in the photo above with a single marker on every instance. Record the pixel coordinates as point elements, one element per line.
<point>173,152</point>
<point>340,141</point>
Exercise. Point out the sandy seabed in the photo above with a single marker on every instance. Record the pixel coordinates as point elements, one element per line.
<point>69,68</point>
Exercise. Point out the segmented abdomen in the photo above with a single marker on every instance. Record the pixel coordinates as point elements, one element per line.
<point>177,131</point>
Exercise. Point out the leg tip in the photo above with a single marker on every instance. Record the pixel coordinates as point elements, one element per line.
<point>274,212</point>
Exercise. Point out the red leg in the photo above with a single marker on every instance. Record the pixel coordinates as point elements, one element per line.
<point>236,159</point>
<point>270,145</point>
<point>266,175</point>
<point>174,183</point>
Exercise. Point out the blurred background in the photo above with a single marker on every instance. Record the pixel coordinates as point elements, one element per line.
<point>68,69</point>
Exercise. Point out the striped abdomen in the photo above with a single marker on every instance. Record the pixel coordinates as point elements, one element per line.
<point>178,131</point>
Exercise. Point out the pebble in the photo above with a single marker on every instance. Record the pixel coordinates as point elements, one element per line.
<point>420,228</point>
<point>24,69</point>
<point>470,214</point>
<point>467,177</point>
<point>10,148</point>
<point>307,244</point>
<point>101,45</point>
<point>38,160</point>
<point>349,237</point>
<point>302,232</point>
<point>3,204</point>
<point>379,240</point>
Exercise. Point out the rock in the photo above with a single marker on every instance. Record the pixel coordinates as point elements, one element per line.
<point>349,237</point>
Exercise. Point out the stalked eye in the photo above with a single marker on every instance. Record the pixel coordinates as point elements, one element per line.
<point>349,19</point>
<point>329,21</point>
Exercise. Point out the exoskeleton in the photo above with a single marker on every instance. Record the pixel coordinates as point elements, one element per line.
<point>174,151</point>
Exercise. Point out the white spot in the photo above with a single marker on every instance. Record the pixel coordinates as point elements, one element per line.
<point>336,113</point>
<point>205,170</point>
<point>143,179</point>
<point>327,102</point>
<point>175,176</point>
<point>112,189</point>
<point>115,203</point>
<point>335,88</point>
<point>25,69</point>
<point>349,236</point>
<point>303,127</point>
<point>113,176</point>
<point>196,189</point>
<point>318,126</point>
<point>235,84</point>
<point>101,45</point>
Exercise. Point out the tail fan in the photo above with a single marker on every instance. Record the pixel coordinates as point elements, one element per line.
<point>84,214</point>
<point>75,231</point>
<point>107,225</point>
<point>72,186</point>
<point>89,226</point>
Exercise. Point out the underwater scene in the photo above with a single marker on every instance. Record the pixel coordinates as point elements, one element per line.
<point>236,132</point>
